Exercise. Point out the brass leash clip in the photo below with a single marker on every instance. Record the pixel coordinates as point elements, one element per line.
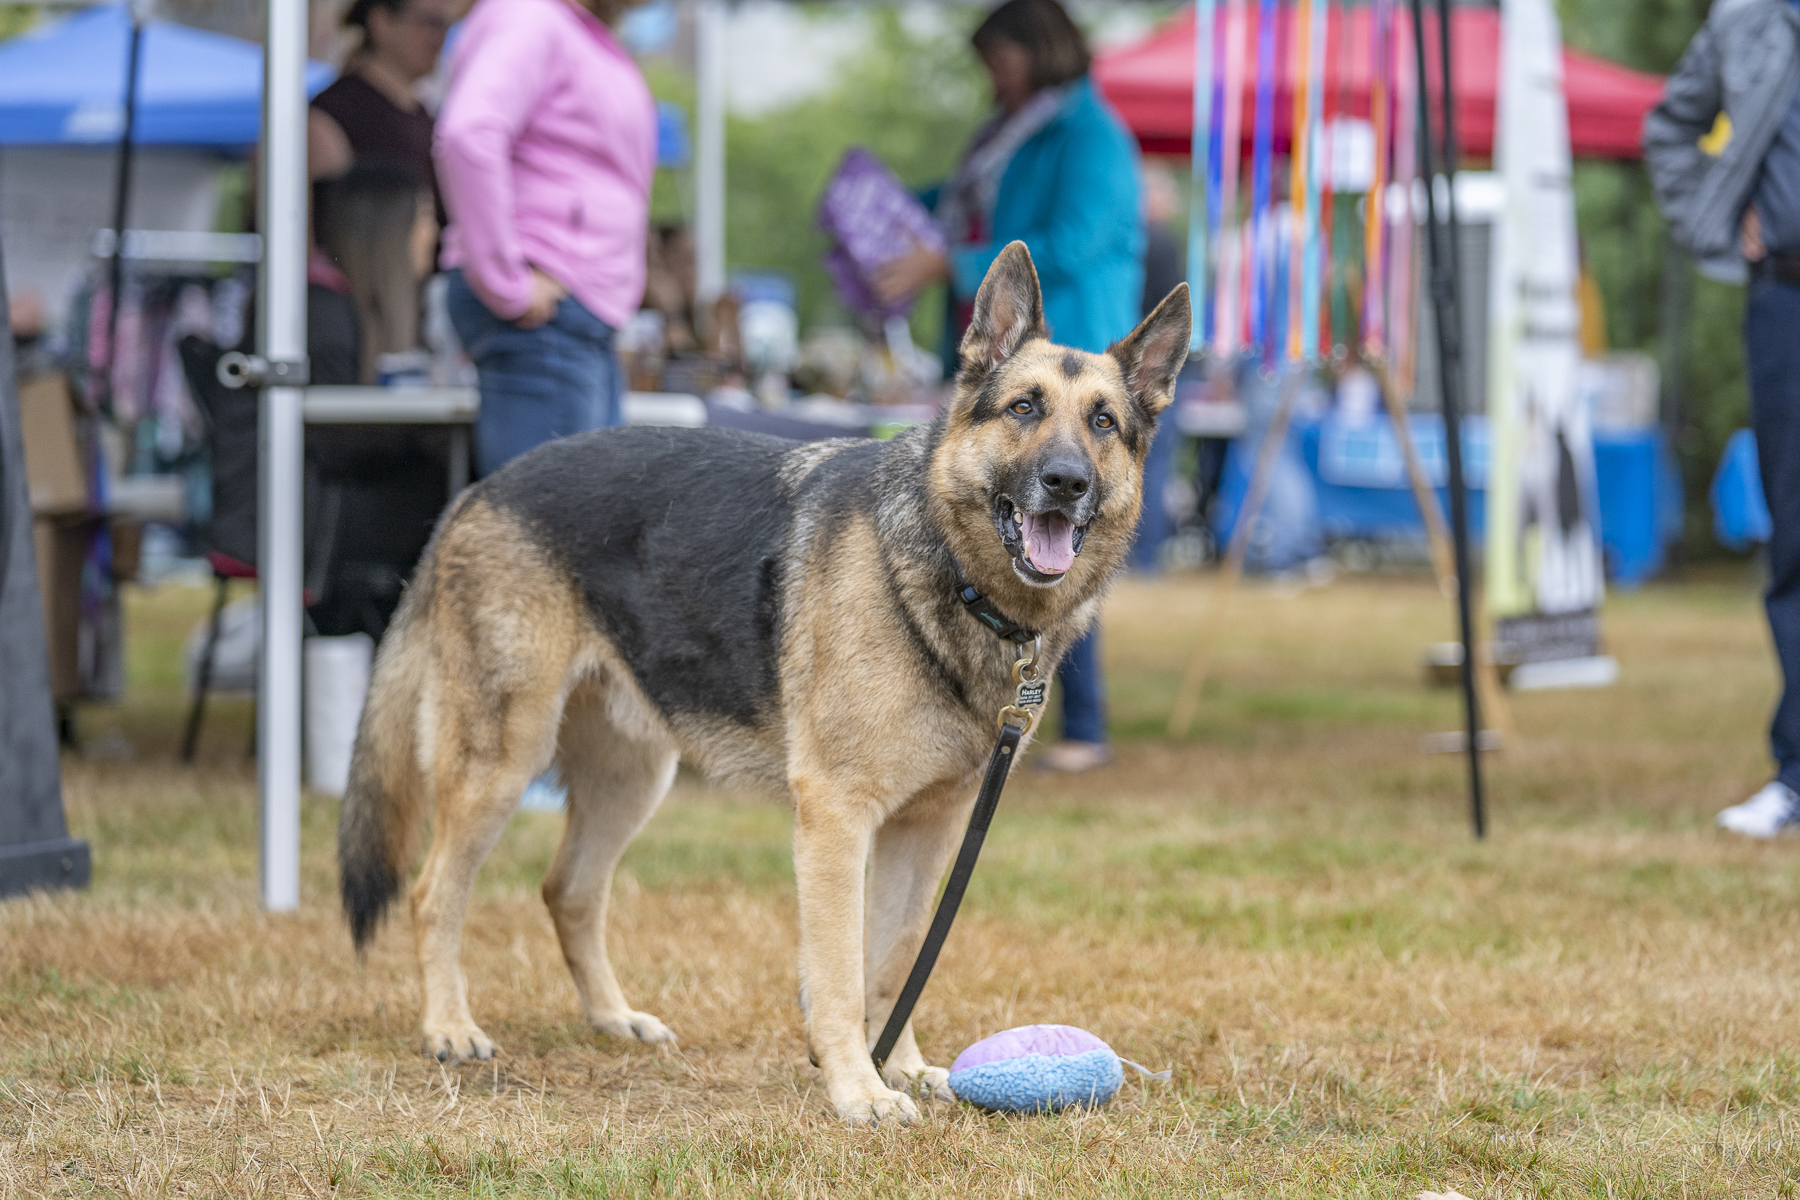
<point>1031,684</point>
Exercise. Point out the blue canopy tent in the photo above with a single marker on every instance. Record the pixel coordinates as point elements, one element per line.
<point>63,84</point>
<point>100,77</point>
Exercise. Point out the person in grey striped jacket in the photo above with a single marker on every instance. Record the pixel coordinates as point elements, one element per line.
<point>1723,148</point>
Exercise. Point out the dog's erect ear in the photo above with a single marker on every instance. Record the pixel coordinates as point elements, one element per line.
<point>1009,311</point>
<point>1152,355</point>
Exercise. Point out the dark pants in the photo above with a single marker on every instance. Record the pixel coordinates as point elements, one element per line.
<point>536,384</point>
<point>1154,526</point>
<point>1772,348</point>
<point>1083,690</point>
<point>1083,686</point>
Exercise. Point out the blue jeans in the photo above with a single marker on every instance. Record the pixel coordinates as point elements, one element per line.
<point>1083,684</point>
<point>1772,353</point>
<point>1083,691</point>
<point>536,384</point>
<point>1154,526</point>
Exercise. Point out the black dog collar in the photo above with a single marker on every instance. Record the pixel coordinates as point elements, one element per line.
<point>985,612</point>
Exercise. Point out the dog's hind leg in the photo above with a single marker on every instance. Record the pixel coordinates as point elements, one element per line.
<point>475,800</point>
<point>618,765</point>
<point>479,765</point>
<point>912,851</point>
<point>503,642</point>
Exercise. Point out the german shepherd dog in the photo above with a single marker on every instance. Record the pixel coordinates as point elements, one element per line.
<point>785,615</point>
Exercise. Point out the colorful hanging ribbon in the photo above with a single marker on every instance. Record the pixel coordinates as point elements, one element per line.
<point>1228,150</point>
<point>1299,163</point>
<point>1261,267</point>
<point>1402,263</point>
<point>1381,60</point>
<point>1336,105</point>
<point>1201,199</point>
<point>1270,284</point>
<point>1316,150</point>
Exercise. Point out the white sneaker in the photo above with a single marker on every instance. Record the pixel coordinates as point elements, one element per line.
<point>1765,814</point>
<point>1071,757</point>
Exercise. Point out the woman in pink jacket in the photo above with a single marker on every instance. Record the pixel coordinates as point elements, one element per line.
<point>545,150</point>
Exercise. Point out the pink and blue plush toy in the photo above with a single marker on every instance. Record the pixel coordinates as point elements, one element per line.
<point>1038,1068</point>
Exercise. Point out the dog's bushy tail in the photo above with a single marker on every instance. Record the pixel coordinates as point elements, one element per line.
<point>385,801</point>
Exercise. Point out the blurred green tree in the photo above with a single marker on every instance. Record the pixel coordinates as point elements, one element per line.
<point>17,18</point>
<point>912,95</point>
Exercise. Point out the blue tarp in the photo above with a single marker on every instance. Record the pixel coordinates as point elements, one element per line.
<point>63,84</point>
<point>1740,509</point>
<point>672,148</point>
<point>1357,487</point>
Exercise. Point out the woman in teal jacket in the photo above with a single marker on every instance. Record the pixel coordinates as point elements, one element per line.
<point>1056,170</point>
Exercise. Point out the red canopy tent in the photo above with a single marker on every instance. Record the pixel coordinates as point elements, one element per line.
<point>1151,83</point>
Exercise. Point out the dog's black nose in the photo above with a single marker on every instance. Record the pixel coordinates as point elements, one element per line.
<point>1066,478</point>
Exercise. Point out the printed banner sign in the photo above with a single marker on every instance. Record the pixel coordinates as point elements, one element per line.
<point>1544,567</point>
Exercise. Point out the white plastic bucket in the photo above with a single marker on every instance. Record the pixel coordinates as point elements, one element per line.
<point>337,683</point>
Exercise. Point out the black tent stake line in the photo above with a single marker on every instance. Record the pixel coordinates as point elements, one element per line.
<point>121,205</point>
<point>1446,306</point>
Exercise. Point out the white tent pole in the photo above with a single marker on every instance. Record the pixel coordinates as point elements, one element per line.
<point>282,320</point>
<point>710,17</point>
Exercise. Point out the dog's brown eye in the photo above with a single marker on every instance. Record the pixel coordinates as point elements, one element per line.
<point>1104,421</point>
<point>1022,407</point>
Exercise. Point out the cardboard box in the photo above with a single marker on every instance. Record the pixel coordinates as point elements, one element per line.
<point>62,545</point>
<point>53,458</point>
<point>127,550</point>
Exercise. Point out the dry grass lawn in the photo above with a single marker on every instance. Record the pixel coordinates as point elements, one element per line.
<point>1355,998</point>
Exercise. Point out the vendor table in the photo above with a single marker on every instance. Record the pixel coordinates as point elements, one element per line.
<point>457,407</point>
<point>1210,418</point>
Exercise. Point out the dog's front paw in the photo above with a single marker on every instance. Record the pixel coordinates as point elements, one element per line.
<point>632,1027</point>
<point>882,1106</point>
<point>454,1042</point>
<point>932,1083</point>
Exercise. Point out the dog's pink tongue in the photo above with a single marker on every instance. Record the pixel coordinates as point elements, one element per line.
<point>1050,542</point>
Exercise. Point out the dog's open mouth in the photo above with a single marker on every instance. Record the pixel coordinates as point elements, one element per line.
<point>1043,545</point>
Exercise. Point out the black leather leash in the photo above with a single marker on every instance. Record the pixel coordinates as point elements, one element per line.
<point>1015,720</point>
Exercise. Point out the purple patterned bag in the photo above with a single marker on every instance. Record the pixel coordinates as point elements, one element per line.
<point>871,219</point>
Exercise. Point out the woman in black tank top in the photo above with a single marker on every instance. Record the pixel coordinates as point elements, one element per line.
<point>371,114</point>
<point>375,226</point>
<point>376,212</point>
